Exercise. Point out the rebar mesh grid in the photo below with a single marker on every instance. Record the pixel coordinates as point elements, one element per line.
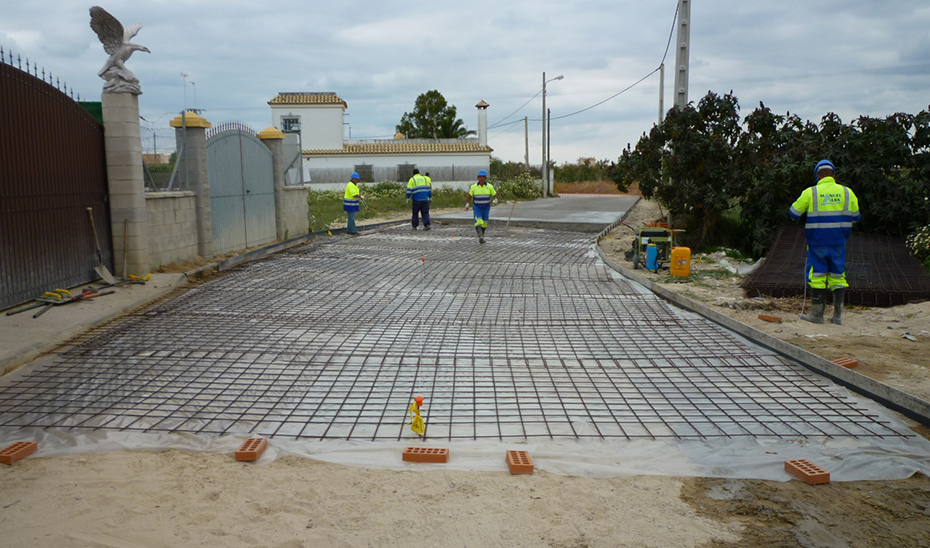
<point>879,269</point>
<point>527,336</point>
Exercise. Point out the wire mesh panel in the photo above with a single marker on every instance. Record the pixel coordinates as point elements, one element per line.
<point>527,336</point>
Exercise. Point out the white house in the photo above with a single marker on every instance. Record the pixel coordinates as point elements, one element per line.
<point>317,121</point>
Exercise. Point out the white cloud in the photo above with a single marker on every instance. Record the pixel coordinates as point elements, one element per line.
<point>806,57</point>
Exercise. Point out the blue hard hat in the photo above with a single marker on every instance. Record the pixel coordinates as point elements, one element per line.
<point>482,173</point>
<point>355,175</point>
<point>823,164</point>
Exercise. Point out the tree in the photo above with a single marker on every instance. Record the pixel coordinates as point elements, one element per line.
<point>705,169</point>
<point>695,180</point>
<point>432,118</point>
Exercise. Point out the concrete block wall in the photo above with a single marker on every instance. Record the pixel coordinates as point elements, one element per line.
<point>294,213</point>
<point>171,227</point>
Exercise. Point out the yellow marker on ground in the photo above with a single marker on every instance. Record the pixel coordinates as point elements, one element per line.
<point>416,421</point>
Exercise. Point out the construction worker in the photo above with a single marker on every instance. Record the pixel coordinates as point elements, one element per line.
<point>831,210</point>
<point>420,191</point>
<point>350,203</point>
<point>480,194</point>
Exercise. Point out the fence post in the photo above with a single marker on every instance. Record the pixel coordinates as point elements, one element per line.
<point>191,134</point>
<point>123,144</point>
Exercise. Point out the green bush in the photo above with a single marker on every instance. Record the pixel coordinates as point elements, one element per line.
<point>919,244</point>
<point>587,169</point>
<point>388,198</point>
<point>521,187</point>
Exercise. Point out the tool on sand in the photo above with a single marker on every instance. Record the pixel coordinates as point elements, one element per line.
<point>85,295</point>
<point>100,268</point>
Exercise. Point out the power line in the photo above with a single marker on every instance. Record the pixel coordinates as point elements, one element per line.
<point>664,56</point>
<point>655,70</point>
<point>498,124</point>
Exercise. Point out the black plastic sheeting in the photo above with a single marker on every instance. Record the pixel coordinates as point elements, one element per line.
<point>880,270</point>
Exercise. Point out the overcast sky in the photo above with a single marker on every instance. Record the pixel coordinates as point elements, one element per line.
<point>851,57</point>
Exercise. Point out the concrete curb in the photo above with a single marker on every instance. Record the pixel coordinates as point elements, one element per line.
<point>892,398</point>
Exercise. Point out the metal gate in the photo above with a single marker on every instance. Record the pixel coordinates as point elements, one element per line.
<point>52,170</point>
<point>241,188</point>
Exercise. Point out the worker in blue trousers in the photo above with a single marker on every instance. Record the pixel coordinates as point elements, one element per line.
<point>831,210</point>
<point>480,195</point>
<point>350,203</point>
<point>420,192</point>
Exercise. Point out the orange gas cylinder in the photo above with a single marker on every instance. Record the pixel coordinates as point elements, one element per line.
<point>681,262</point>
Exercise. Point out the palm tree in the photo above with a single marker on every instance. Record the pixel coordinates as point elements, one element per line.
<point>451,127</point>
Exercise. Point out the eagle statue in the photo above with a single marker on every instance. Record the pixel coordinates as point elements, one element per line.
<point>117,42</point>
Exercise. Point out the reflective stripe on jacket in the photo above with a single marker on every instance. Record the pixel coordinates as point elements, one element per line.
<point>419,188</point>
<point>349,200</point>
<point>831,211</point>
<point>481,195</point>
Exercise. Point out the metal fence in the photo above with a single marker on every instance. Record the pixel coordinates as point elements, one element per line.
<point>160,158</point>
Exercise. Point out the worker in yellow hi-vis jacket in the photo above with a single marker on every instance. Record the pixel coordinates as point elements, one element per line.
<point>831,210</point>
<point>480,194</point>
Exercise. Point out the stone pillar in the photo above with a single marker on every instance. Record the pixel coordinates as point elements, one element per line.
<point>123,143</point>
<point>274,140</point>
<point>191,136</point>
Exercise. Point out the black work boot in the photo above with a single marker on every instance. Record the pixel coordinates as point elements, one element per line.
<point>818,303</point>
<point>838,295</point>
<point>481,234</point>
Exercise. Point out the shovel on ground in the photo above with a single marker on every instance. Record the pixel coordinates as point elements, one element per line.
<point>100,268</point>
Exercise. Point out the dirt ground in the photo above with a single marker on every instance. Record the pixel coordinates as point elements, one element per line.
<point>892,345</point>
<point>179,498</point>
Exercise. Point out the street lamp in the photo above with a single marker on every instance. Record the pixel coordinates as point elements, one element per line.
<point>545,162</point>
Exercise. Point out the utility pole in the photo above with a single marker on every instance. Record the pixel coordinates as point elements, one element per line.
<point>545,137</point>
<point>661,92</point>
<point>682,55</point>
<point>549,185</point>
<point>526,144</point>
<point>543,171</point>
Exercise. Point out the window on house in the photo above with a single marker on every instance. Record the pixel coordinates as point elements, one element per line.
<point>405,172</point>
<point>365,173</point>
<point>290,124</point>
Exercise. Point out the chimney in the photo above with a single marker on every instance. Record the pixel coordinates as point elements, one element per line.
<point>482,123</point>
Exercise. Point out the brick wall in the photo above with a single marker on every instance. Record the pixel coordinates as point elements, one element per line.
<point>171,227</point>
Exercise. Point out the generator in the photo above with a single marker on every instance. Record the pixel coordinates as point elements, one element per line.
<point>661,237</point>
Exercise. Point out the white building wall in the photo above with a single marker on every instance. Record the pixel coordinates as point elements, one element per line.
<point>441,167</point>
<point>321,126</point>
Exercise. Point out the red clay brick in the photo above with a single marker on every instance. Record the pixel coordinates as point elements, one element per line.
<point>426,454</point>
<point>519,462</point>
<point>767,318</point>
<point>251,449</point>
<point>807,471</point>
<point>18,451</point>
<point>846,362</point>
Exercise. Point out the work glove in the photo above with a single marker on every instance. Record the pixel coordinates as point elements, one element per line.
<point>408,201</point>
<point>467,206</point>
<point>495,201</point>
<point>430,200</point>
<point>360,197</point>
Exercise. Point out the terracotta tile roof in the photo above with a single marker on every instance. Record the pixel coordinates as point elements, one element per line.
<point>308,98</point>
<point>401,146</point>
